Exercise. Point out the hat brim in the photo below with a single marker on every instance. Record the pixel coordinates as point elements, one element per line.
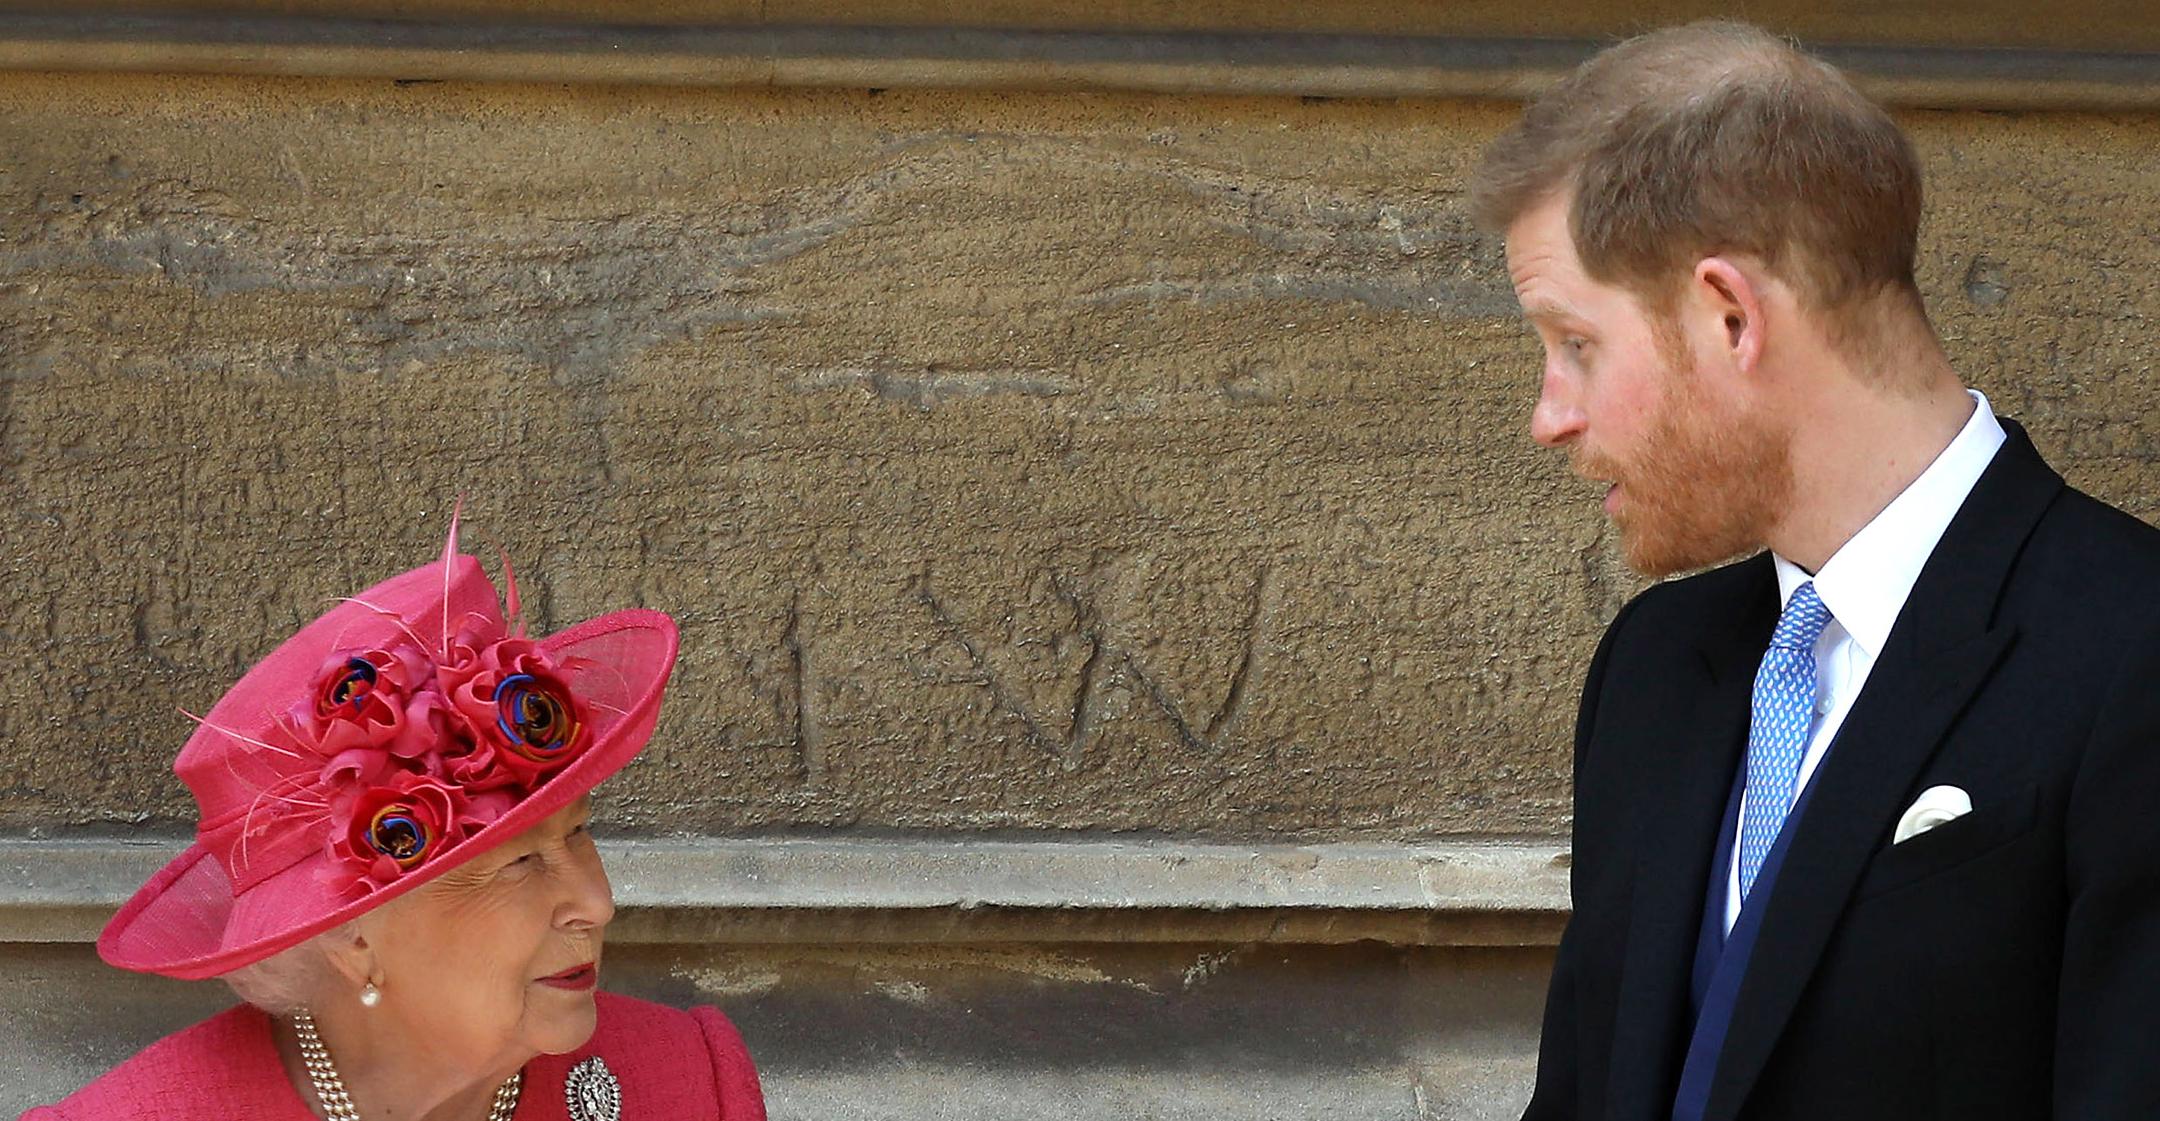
<point>186,922</point>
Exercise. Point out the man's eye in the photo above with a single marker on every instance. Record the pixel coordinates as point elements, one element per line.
<point>1576,345</point>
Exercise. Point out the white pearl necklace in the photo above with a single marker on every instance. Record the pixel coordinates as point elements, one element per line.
<point>330,1089</point>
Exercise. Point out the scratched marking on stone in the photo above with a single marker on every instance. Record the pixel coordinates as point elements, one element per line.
<point>1108,660</point>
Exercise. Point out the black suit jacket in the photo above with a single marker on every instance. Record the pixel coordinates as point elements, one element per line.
<point>2004,965</point>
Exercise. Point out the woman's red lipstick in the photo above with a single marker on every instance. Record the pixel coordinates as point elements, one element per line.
<point>577,978</point>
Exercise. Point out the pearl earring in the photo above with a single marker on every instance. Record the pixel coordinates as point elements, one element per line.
<point>370,996</point>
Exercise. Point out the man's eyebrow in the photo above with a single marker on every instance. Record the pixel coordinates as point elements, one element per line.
<point>1538,310</point>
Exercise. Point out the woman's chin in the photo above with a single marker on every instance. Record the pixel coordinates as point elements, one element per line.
<point>569,1025</point>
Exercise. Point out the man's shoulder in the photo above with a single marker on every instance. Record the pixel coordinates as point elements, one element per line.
<point>1682,605</point>
<point>2099,532</point>
<point>2088,568</point>
<point>1715,587</point>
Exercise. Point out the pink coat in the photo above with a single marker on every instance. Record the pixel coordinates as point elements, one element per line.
<point>688,1066</point>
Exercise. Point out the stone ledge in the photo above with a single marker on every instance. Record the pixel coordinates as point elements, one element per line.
<point>1493,893</point>
<point>2061,24</point>
<point>966,56</point>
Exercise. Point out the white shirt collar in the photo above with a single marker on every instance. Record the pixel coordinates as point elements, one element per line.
<point>1866,582</point>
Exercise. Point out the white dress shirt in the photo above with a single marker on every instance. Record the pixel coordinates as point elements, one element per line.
<point>1865,585</point>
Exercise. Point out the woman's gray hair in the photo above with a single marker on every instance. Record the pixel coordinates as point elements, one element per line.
<point>289,980</point>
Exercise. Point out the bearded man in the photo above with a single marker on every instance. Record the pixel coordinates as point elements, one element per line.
<point>1864,823</point>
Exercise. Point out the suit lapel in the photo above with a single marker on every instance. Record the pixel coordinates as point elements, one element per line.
<point>1681,794</point>
<point>1941,651</point>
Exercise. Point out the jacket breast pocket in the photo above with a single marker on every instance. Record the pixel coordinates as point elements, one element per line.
<point>1954,843</point>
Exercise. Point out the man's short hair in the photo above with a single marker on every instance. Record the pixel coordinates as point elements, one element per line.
<point>1717,137</point>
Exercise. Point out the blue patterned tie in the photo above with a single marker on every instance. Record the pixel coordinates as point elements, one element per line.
<point>1778,736</point>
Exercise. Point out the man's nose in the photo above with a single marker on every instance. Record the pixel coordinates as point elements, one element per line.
<point>1557,419</point>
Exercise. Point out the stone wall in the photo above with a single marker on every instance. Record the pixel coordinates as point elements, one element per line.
<point>1014,463</point>
<point>988,1033</point>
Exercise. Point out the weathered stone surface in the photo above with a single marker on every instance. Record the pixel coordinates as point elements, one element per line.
<point>1013,463</point>
<point>1186,1032</point>
<point>2074,55</point>
<point>2090,25</point>
<point>851,890</point>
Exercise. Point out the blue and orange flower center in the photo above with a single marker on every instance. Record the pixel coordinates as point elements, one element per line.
<point>398,833</point>
<point>535,719</point>
<point>347,690</point>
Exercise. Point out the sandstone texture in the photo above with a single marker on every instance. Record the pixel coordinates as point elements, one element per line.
<point>2080,25</point>
<point>1199,1032</point>
<point>1015,464</point>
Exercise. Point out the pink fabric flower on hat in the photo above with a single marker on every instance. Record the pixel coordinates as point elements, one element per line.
<point>525,722</point>
<point>432,730</point>
<point>373,714</point>
<point>359,701</point>
<point>421,750</point>
<point>380,832</point>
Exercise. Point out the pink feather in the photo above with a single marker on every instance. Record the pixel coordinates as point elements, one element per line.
<point>390,615</point>
<point>249,740</point>
<point>449,557</point>
<point>517,614</point>
<point>247,823</point>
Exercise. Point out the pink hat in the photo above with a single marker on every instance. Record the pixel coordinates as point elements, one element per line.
<point>404,732</point>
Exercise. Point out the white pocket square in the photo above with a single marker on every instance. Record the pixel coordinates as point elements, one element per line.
<point>1936,805</point>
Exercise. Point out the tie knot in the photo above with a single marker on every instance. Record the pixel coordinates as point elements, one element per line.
<point>1803,620</point>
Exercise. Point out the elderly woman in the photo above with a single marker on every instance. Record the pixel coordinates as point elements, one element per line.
<point>394,872</point>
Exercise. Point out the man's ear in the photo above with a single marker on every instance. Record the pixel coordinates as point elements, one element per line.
<point>1732,295</point>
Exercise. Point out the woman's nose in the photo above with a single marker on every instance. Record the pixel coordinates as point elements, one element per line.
<point>590,901</point>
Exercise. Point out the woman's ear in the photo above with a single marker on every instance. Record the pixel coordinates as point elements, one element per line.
<point>1732,295</point>
<point>351,958</point>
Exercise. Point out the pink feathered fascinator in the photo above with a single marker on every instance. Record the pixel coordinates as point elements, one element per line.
<point>409,729</point>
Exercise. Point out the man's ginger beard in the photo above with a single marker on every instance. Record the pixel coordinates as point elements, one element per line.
<point>1704,486</point>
